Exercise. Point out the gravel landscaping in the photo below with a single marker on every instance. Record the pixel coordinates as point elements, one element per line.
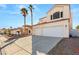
<point>66,47</point>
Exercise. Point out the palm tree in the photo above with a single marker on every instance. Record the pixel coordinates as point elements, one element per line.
<point>31,11</point>
<point>24,13</point>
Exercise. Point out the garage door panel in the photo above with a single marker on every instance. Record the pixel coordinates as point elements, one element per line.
<point>57,31</point>
<point>37,31</point>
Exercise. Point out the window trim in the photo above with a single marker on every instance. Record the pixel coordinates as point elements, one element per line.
<point>60,15</point>
<point>51,17</point>
<point>56,13</point>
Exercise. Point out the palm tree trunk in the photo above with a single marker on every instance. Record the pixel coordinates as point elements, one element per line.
<point>32,21</point>
<point>24,25</point>
<point>24,20</point>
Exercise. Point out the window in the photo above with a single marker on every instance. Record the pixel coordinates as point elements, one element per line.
<point>61,14</point>
<point>51,17</point>
<point>29,31</point>
<point>56,15</point>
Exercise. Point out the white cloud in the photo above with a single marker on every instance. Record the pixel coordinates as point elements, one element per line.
<point>10,12</point>
<point>36,8</point>
<point>3,5</point>
<point>14,13</point>
<point>75,10</point>
<point>21,6</point>
<point>75,16</point>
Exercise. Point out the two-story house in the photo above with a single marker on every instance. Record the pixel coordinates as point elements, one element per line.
<point>57,23</point>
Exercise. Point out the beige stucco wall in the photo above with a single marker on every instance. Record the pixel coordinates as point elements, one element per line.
<point>65,8</point>
<point>61,8</point>
<point>45,19</point>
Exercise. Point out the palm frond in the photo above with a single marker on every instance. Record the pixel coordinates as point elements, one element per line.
<point>24,10</point>
<point>31,6</point>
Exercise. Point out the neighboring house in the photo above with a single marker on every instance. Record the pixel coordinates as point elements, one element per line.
<point>2,30</point>
<point>44,19</point>
<point>22,30</point>
<point>15,31</point>
<point>27,29</point>
<point>57,23</point>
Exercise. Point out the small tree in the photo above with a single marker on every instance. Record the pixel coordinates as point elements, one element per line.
<point>5,31</point>
<point>77,27</point>
<point>9,31</point>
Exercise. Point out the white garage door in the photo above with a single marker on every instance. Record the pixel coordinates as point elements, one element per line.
<point>37,31</point>
<point>52,31</point>
<point>55,31</point>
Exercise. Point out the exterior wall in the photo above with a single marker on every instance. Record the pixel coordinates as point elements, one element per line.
<point>64,24</point>
<point>65,8</point>
<point>1,31</point>
<point>26,30</point>
<point>45,19</point>
<point>29,29</point>
<point>13,32</point>
<point>60,7</point>
<point>22,31</point>
<point>53,11</point>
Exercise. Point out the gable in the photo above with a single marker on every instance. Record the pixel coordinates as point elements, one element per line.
<point>59,8</point>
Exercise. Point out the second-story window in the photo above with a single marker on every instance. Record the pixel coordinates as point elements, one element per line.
<point>51,17</point>
<point>61,14</point>
<point>57,15</point>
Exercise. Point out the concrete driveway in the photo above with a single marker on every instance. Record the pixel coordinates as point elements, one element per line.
<point>43,44</point>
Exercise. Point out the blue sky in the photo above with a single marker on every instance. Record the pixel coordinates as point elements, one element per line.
<point>10,14</point>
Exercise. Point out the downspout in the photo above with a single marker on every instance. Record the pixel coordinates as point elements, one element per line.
<point>70,20</point>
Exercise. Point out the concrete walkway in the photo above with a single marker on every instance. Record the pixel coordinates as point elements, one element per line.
<point>20,46</point>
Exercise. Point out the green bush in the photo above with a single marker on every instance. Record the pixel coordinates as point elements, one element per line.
<point>77,27</point>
